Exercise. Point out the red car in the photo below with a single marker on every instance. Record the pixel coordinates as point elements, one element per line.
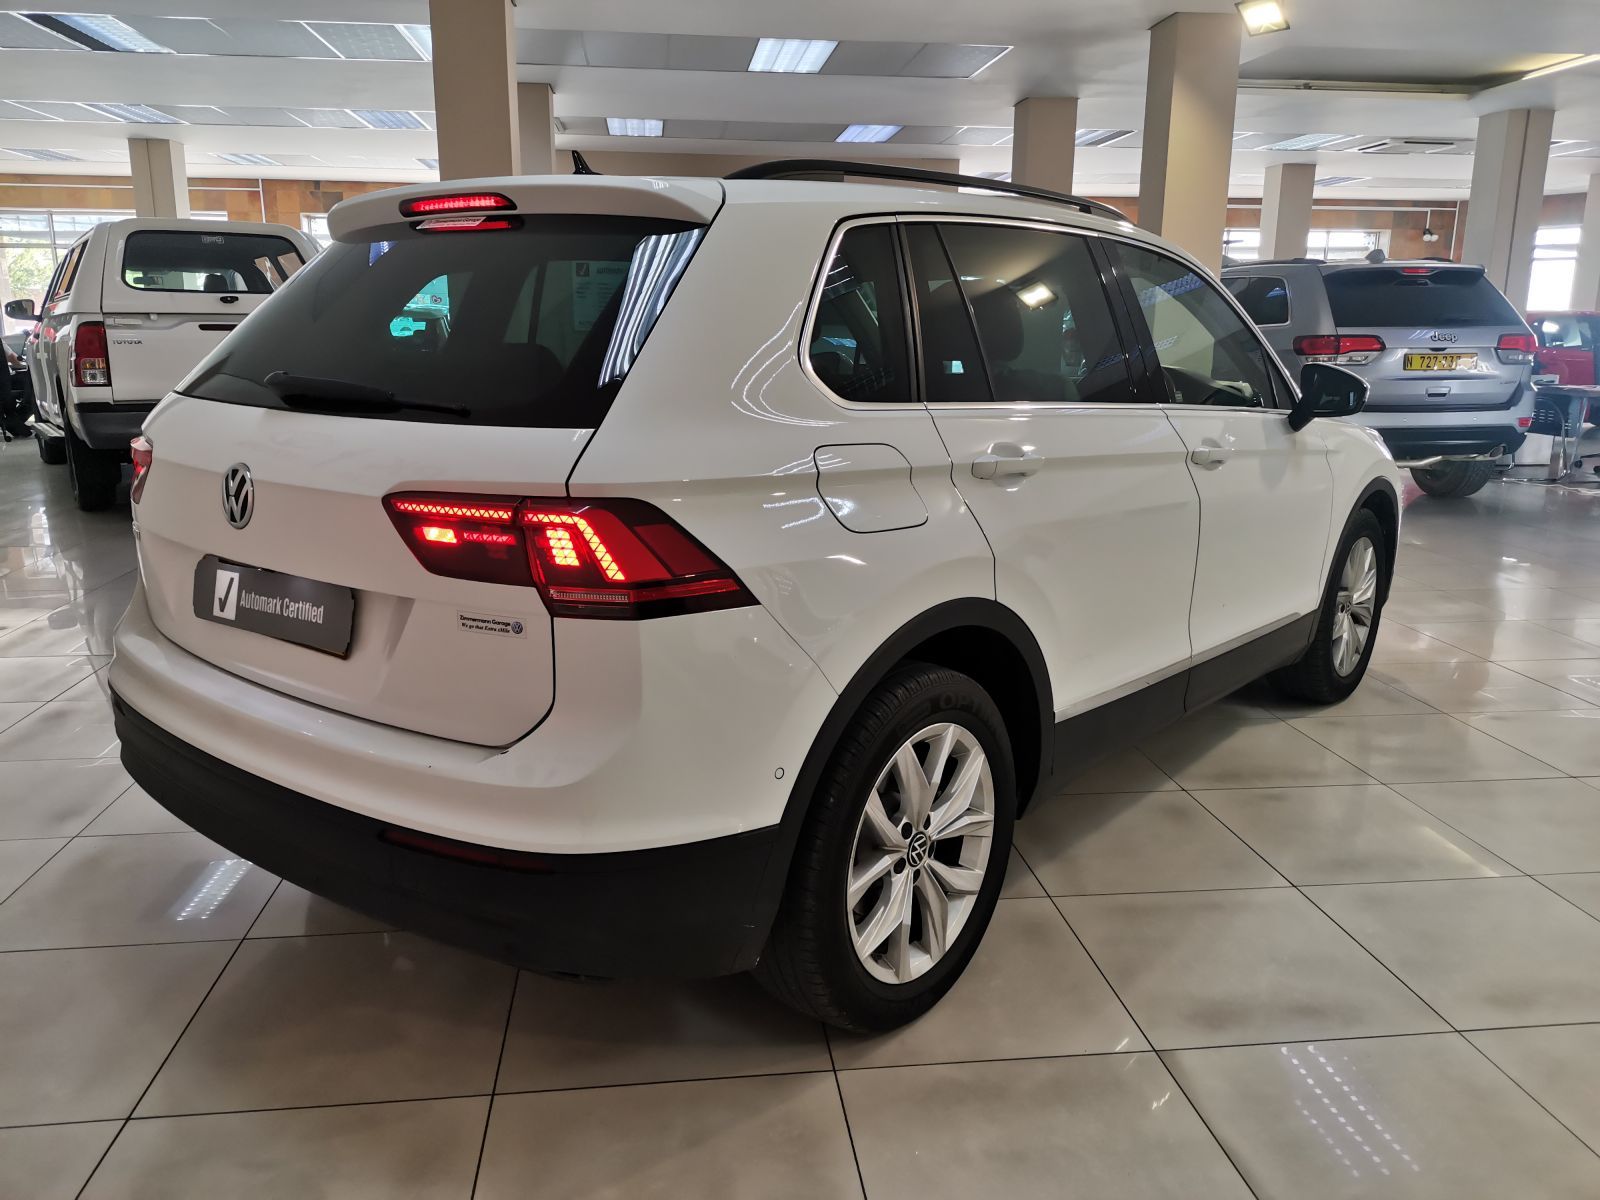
<point>1567,343</point>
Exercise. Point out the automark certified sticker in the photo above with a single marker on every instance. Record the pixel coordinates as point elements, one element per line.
<point>487,623</point>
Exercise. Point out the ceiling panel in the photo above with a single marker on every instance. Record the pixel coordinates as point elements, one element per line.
<point>17,33</point>
<point>940,61</point>
<point>196,114</point>
<point>691,129</point>
<point>980,135</point>
<point>63,111</point>
<point>273,39</point>
<point>301,160</point>
<point>871,58</point>
<point>189,35</point>
<point>775,131</point>
<point>15,112</point>
<point>590,126</point>
<point>637,51</point>
<point>363,40</point>
<point>550,47</point>
<point>686,53</point>
<point>928,135</point>
<point>261,116</point>
<point>328,118</point>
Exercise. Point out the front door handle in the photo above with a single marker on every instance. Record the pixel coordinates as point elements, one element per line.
<point>1210,454</point>
<point>1020,463</point>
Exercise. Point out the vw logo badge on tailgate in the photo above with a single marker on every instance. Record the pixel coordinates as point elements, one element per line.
<point>238,495</point>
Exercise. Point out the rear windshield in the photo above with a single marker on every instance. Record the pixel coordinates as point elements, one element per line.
<point>1385,297</point>
<point>192,261</point>
<point>532,326</point>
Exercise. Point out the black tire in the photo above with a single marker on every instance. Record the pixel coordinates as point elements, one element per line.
<point>95,474</point>
<point>1453,480</point>
<point>810,962</point>
<point>1316,676</point>
<point>52,451</point>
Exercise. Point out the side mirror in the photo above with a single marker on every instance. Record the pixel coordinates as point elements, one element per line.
<point>21,310</point>
<point>1327,391</point>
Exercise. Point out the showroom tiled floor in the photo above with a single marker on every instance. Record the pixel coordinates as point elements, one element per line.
<point>1276,952</point>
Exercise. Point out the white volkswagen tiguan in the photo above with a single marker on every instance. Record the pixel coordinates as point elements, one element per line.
<point>631,576</point>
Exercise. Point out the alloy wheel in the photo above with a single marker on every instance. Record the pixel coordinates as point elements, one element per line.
<point>1356,605</point>
<point>921,853</point>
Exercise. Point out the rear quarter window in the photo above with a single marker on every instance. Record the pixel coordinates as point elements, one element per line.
<point>1444,298</point>
<point>197,261</point>
<point>1264,298</point>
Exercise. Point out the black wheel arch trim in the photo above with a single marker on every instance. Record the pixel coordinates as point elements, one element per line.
<point>1384,486</point>
<point>968,612</point>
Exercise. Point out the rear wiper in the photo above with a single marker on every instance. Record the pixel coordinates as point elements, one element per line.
<point>312,391</point>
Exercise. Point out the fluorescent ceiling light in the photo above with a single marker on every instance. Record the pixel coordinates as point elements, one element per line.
<point>44,155</point>
<point>431,163</point>
<point>633,127</point>
<point>1306,141</point>
<point>1262,16</point>
<point>1581,60</point>
<point>108,32</point>
<point>1339,180</point>
<point>1100,137</point>
<point>1241,136</point>
<point>250,160</point>
<point>389,118</point>
<point>1036,295</point>
<point>791,55</point>
<point>420,36</point>
<point>134,114</point>
<point>868,133</point>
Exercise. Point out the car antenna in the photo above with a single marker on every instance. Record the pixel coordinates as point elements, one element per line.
<point>580,165</point>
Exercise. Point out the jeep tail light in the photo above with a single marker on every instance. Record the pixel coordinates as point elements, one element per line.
<point>1516,347</point>
<point>1354,348</point>
<point>143,456</point>
<point>90,365</point>
<point>607,558</point>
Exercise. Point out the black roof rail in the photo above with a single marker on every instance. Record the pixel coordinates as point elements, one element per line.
<point>802,168</point>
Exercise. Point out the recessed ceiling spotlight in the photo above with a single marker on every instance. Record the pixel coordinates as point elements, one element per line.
<point>633,127</point>
<point>1262,16</point>
<point>868,133</point>
<point>795,56</point>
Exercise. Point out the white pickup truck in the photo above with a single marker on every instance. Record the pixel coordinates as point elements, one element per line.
<point>132,307</point>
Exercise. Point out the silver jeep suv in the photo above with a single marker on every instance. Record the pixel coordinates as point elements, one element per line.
<point>1447,357</point>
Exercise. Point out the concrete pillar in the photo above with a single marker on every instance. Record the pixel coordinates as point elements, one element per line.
<point>1286,209</point>
<point>1507,195</point>
<point>1190,90</point>
<point>1044,136</point>
<point>160,178</point>
<point>475,88</point>
<point>536,121</point>
<point>1586,280</point>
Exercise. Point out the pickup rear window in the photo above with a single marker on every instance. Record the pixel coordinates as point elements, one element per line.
<point>1446,298</point>
<point>534,326</point>
<point>161,260</point>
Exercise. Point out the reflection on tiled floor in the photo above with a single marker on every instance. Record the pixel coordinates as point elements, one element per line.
<point>1277,951</point>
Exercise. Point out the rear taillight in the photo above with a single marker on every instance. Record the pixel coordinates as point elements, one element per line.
<point>1516,347</point>
<point>616,559</point>
<point>1339,347</point>
<point>90,365</point>
<point>143,457</point>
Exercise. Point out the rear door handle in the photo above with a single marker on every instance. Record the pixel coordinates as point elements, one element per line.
<point>1006,466</point>
<point>1209,454</point>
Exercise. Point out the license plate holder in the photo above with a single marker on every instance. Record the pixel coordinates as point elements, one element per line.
<point>287,608</point>
<point>1431,361</point>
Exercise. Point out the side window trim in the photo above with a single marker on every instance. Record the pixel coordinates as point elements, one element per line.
<point>1281,384</point>
<point>911,331</point>
<point>1142,362</point>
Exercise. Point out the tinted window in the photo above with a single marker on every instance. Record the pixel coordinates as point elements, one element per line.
<point>1264,298</point>
<point>534,326</point>
<point>1043,319</point>
<point>952,368</point>
<point>192,261</point>
<point>69,271</point>
<point>1207,354</point>
<point>858,341</point>
<point>1380,297</point>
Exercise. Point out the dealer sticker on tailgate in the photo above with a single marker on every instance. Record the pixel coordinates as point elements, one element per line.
<point>286,607</point>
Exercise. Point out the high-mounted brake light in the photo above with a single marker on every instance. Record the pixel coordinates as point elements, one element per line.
<point>91,367</point>
<point>466,224</point>
<point>143,456</point>
<point>1340,347</point>
<point>1417,270</point>
<point>462,202</point>
<point>1516,347</point>
<point>608,558</point>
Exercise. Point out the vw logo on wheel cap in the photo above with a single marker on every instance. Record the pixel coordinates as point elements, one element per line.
<point>238,495</point>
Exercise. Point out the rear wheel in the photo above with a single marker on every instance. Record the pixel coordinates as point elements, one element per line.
<point>1453,479</point>
<point>901,859</point>
<point>1347,626</point>
<point>95,474</point>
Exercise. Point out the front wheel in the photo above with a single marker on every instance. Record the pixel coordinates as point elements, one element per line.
<point>901,859</point>
<point>1347,625</point>
<point>1453,480</point>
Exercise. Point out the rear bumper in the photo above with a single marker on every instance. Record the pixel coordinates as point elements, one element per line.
<point>109,427</point>
<point>1410,444</point>
<point>689,910</point>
